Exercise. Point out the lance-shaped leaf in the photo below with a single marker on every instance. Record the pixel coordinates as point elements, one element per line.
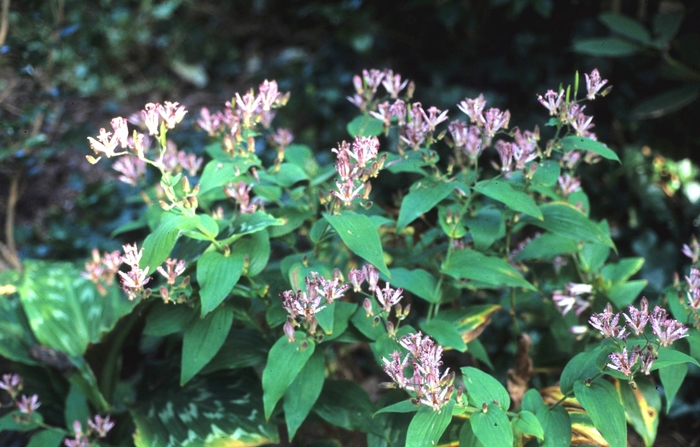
<point>492,427</point>
<point>547,173</point>
<point>602,403</point>
<point>418,281</point>
<point>573,142</point>
<point>360,236</point>
<point>365,126</point>
<point>483,388</point>
<point>566,220</point>
<point>504,193</point>
<point>423,197</point>
<point>469,321</point>
<point>223,408</point>
<point>556,424</point>
<point>606,46</point>
<point>347,405</point>
<point>642,407</point>
<point>471,264</point>
<point>284,362</point>
<point>667,102</point>
<point>626,27</point>
<point>428,425</point>
<point>158,245</point>
<point>202,340</point>
<point>216,275</point>
<point>303,392</point>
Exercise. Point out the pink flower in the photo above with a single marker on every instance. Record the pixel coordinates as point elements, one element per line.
<point>173,269</point>
<point>495,120</point>
<point>594,83</point>
<point>622,362</point>
<point>101,425</point>
<point>392,83</point>
<point>388,297</point>
<point>666,329</point>
<point>638,318</point>
<point>131,169</point>
<point>568,184</point>
<point>551,101</point>
<point>582,124</point>
<point>28,405</point>
<point>151,117</point>
<point>606,323</point>
<point>474,108</point>
<point>171,113</point>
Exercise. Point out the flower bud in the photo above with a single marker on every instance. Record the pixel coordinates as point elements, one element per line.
<point>367,304</point>
<point>289,331</point>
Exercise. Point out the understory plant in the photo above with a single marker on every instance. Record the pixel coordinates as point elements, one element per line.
<point>274,278</point>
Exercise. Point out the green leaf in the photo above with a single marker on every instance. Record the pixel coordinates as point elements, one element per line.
<point>303,392</point>
<point>626,27</point>
<point>48,438</point>
<point>346,404</point>
<point>602,403</point>
<point>666,103</point>
<point>622,270</point>
<point>202,340</point>
<point>15,333</point>
<point>547,246</point>
<point>547,173</point>
<point>477,350</point>
<point>419,282</point>
<point>573,142</point>
<point>470,264</point>
<point>672,376</point>
<point>159,244</point>
<point>252,223</point>
<point>424,196</point>
<point>77,408</point>
<point>455,229</point>
<point>165,319</point>
<point>360,236</point>
<point>526,422</point>
<point>669,356</point>
<point>218,173</point>
<point>174,416</point>
<point>413,162</point>
<point>485,227</point>
<point>365,126</point>
<point>284,362</point>
<point>242,348</point>
<point>65,311</point>
<point>9,422</point>
<point>405,406</point>
<point>302,156</point>
<point>285,175</point>
<point>606,46</point>
<point>467,438</point>
<point>666,27</point>
<point>504,193</point>
<point>566,220</point>
<point>428,425</point>
<point>582,367</point>
<point>626,293</point>
<point>642,407</point>
<point>216,275</point>
<point>293,218</point>
<point>256,247</point>
<point>556,424</point>
<point>365,324</point>
<point>484,388</point>
<point>492,427</point>
<point>342,312</point>
<point>444,333</point>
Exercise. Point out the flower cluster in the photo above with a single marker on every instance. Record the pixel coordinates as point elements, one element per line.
<point>366,88</point>
<point>98,427</point>
<point>574,296</point>
<point>425,356</point>
<point>388,298</point>
<point>101,269</point>
<point>304,305</point>
<point>27,405</point>
<point>240,192</point>
<point>355,165</point>
<point>134,280</point>
<point>666,330</point>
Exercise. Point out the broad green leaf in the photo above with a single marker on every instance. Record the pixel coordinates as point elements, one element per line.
<point>252,223</point>
<point>626,293</point>
<point>484,388</point>
<point>293,218</point>
<point>15,333</point>
<point>216,275</point>
<point>223,408</point>
<point>602,403</point>
<point>666,103</point>
<point>467,438</point>
<point>485,227</point>
<point>342,312</point>
<point>202,340</point>
<point>158,245</point>
<point>218,173</point>
<point>165,319</point>
<point>242,348</point>
<point>360,236</point>
<point>573,142</point>
<point>413,162</point>
<point>9,422</point>
<point>672,376</point>
<point>285,175</point>
<point>626,27</point>
<point>580,200</point>
<point>547,173</point>
<point>385,345</point>
<point>302,156</point>
<point>642,407</point>
<point>65,311</point>
<point>504,193</point>
<point>669,356</point>
<point>566,220</point>
<point>284,362</point>
<point>346,404</point>
<point>256,247</point>
<point>492,427</point>
<point>477,350</point>
<point>424,196</point>
<point>666,27</point>
<point>419,282</point>
<point>606,46</point>
<point>556,424</point>
<point>48,438</point>
<point>303,392</point>
<point>593,254</point>
<point>471,264</point>
<point>366,324</point>
<point>547,246</point>
<point>77,408</point>
<point>325,318</point>
<point>428,425</point>
<point>206,230</point>
<point>526,422</point>
<point>583,430</point>
<point>532,401</point>
<point>622,271</point>
<point>469,321</point>
<point>444,334</point>
<point>582,367</point>
<point>365,126</point>
<point>405,406</point>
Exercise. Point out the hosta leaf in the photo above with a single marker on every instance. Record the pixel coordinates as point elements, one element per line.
<point>223,408</point>
<point>360,236</point>
<point>471,264</point>
<point>15,333</point>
